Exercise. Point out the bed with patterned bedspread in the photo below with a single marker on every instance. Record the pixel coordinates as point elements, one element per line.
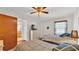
<point>66,47</point>
<point>35,45</point>
<point>44,45</point>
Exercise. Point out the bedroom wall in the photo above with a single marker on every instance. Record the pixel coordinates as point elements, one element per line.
<point>26,28</point>
<point>76,20</point>
<point>41,26</point>
<point>37,26</point>
<point>50,23</point>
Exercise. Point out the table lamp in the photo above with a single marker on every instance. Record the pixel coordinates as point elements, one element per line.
<point>74,34</point>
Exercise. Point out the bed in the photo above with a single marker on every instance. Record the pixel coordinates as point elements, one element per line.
<point>35,45</point>
<point>66,47</point>
<point>44,45</point>
<point>54,38</point>
<point>47,44</point>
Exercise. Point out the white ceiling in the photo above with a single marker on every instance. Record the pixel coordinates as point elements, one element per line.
<point>24,12</point>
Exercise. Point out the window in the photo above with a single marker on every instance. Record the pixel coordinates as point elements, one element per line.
<point>60,27</point>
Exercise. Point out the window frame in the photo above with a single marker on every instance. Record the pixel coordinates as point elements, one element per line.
<point>59,22</point>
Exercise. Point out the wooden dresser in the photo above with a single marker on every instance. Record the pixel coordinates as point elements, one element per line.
<point>8,31</point>
<point>1,45</point>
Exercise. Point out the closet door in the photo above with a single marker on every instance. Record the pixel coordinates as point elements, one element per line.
<point>8,31</point>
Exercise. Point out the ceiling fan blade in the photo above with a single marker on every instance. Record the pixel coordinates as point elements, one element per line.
<point>32,12</point>
<point>44,8</point>
<point>45,12</point>
<point>34,8</point>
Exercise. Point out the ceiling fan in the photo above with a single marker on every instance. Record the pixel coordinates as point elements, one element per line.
<point>39,10</point>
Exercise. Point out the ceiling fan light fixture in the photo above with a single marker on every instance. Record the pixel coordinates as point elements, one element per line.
<point>39,10</point>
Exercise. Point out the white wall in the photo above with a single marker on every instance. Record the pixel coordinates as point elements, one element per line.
<point>50,23</point>
<point>76,20</point>
<point>26,28</point>
<point>41,26</point>
<point>37,26</point>
<point>23,28</point>
<point>73,24</point>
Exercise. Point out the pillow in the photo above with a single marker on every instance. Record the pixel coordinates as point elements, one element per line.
<point>65,34</point>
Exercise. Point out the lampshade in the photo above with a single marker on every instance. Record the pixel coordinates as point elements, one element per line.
<point>74,34</point>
